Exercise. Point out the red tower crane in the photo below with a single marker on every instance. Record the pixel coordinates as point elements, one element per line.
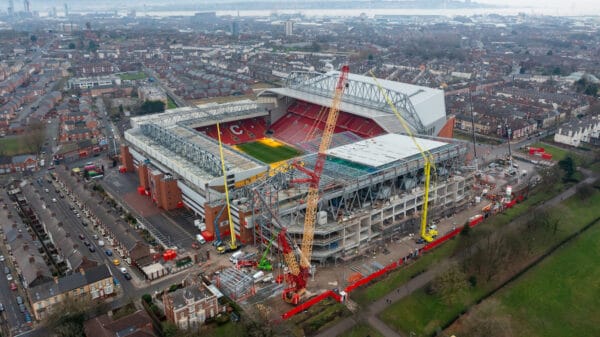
<point>298,275</point>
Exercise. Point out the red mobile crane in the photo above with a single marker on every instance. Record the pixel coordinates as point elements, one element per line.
<point>298,275</point>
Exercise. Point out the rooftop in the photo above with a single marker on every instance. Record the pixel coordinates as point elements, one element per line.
<point>382,150</point>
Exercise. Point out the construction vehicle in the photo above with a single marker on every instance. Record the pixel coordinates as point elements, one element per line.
<point>427,233</point>
<point>264,263</point>
<point>217,242</point>
<point>232,246</point>
<point>298,274</point>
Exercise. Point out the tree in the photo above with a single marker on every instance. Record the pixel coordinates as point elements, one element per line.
<point>33,38</point>
<point>584,192</point>
<point>450,285</point>
<point>567,165</point>
<point>72,45</point>
<point>92,46</point>
<point>147,298</point>
<point>170,330</point>
<point>36,136</point>
<point>152,107</point>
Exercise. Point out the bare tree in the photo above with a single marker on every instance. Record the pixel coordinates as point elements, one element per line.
<point>451,285</point>
<point>35,137</point>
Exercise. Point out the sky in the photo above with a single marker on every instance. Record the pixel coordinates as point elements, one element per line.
<point>566,4</point>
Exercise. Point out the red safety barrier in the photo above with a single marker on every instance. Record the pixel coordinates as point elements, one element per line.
<point>441,240</point>
<point>303,306</point>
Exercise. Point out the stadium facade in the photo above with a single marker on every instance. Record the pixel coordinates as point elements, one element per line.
<point>371,184</point>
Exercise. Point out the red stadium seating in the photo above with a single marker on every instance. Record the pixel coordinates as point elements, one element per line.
<point>302,116</point>
<point>238,132</point>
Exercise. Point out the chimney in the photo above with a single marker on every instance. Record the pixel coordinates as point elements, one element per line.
<point>82,271</point>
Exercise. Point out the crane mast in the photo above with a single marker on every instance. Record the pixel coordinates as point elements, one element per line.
<point>299,275</point>
<point>232,244</point>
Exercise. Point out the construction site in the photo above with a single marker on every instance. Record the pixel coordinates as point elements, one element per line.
<point>308,177</point>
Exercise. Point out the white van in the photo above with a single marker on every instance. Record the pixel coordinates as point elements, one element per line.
<point>235,256</point>
<point>200,239</point>
<point>100,243</point>
<point>258,276</point>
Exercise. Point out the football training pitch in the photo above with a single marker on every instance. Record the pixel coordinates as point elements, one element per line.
<point>268,150</point>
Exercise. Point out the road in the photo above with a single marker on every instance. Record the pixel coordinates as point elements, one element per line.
<point>180,102</point>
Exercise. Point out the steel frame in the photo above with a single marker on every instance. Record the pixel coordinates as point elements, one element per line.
<point>357,92</point>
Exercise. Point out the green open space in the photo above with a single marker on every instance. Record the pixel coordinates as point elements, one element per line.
<point>171,103</point>
<point>140,75</point>
<point>559,153</point>
<point>268,154</point>
<point>560,296</point>
<point>318,318</point>
<point>361,330</point>
<point>425,312</point>
<point>13,146</point>
<point>387,284</point>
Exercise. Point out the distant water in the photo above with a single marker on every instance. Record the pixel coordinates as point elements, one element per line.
<point>549,11</point>
<point>399,11</point>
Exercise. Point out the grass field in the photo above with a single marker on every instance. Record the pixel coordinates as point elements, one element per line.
<point>560,297</point>
<point>140,75</point>
<point>170,103</point>
<point>268,150</point>
<point>12,146</point>
<point>424,313</point>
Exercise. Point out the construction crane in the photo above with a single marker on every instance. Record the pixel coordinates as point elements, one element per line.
<point>232,245</point>
<point>298,274</point>
<point>427,233</point>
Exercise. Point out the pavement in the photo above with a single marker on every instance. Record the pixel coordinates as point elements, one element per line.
<point>371,313</point>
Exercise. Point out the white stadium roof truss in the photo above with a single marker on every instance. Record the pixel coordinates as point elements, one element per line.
<point>358,92</point>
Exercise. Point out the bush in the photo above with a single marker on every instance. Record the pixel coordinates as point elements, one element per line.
<point>147,298</point>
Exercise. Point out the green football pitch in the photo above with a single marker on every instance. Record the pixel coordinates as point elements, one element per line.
<point>268,150</point>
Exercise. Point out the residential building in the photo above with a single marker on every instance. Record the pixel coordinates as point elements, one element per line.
<point>578,131</point>
<point>190,306</point>
<point>138,324</point>
<point>94,283</point>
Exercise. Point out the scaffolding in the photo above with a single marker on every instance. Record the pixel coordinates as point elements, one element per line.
<point>236,284</point>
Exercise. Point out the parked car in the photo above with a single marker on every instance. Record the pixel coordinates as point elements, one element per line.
<point>127,276</point>
<point>1,307</point>
<point>123,270</point>
<point>92,249</point>
<point>22,307</point>
<point>95,236</point>
<point>86,242</point>
<point>19,300</point>
<point>109,252</point>
<point>13,286</point>
<point>116,262</point>
<point>81,236</point>
<point>6,270</point>
<point>2,258</point>
<point>9,277</point>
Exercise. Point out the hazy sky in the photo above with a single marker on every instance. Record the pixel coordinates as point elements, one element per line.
<point>567,4</point>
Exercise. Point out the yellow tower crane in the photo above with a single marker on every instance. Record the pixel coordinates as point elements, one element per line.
<point>232,245</point>
<point>426,232</point>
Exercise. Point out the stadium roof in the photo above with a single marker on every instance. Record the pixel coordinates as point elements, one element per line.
<point>421,107</point>
<point>382,150</point>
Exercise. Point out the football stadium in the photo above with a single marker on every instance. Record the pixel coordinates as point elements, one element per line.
<point>371,186</point>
